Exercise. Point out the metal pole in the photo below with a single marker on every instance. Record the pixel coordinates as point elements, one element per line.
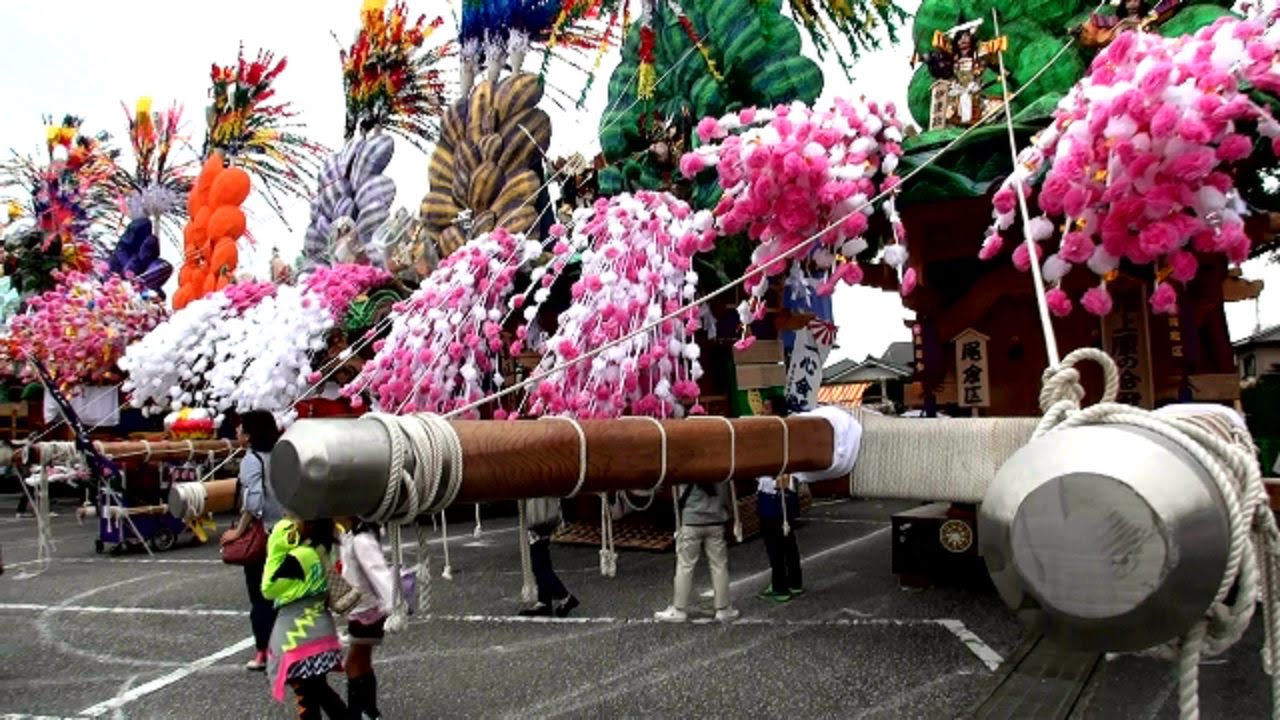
<point>330,467</point>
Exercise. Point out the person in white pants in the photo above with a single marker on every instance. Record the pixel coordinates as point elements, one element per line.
<point>702,513</point>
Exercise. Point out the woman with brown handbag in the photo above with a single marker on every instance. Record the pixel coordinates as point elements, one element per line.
<point>259,511</point>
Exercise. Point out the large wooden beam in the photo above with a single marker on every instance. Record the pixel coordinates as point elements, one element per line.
<point>337,467</point>
<point>139,450</point>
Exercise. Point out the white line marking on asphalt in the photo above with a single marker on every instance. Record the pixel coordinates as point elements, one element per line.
<point>976,645</point>
<point>983,651</point>
<point>122,561</point>
<point>95,609</point>
<point>166,680</point>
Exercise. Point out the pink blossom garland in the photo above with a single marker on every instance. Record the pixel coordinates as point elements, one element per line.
<point>444,340</point>
<point>639,268</point>
<point>247,294</point>
<point>80,329</point>
<point>1142,153</point>
<point>340,284</point>
<point>792,173</point>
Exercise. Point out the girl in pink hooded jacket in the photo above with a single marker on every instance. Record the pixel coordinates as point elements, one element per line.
<point>365,567</point>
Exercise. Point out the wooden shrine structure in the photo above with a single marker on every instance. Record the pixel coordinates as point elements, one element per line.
<point>977,336</point>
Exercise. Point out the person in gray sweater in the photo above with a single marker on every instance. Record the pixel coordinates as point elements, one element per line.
<point>702,513</point>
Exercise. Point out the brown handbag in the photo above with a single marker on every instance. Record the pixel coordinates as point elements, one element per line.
<point>250,548</point>
<point>343,596</point>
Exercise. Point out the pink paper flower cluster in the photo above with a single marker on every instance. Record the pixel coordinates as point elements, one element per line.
<point>247,294</point>
<point>1142,152</point>
<point>793,173</point>
<point>441,352</point>
<point>340,284</point>
<point>80,329</point>
<point>639,269</point>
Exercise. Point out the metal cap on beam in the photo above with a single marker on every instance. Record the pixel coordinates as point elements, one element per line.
<point>1105,538</point>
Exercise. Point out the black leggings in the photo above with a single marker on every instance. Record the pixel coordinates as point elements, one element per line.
<point>262,612</point>
<point>550,588</point>
<point>314,696</point>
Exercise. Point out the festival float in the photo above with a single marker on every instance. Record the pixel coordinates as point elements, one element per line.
<point>1186,147</point>
<point>565,351</point>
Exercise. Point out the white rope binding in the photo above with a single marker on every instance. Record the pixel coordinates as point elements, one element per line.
<point>528,587</point>
<point>733,470</point>
<point>427,488</point>
<point>1233,465</point>
<point>608,555</point>
<point>652,493</point>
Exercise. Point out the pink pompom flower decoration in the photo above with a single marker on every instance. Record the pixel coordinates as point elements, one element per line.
<point>637,268</point>
<point>1144,149</point>
<point>800,182</point>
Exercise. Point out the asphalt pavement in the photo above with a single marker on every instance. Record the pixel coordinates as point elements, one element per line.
<point>165,637</point>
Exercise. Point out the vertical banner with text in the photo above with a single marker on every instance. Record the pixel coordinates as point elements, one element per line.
<point>973,386</point>
<point>808,355</point>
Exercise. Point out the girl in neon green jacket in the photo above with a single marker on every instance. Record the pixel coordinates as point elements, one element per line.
<point>304,641</point>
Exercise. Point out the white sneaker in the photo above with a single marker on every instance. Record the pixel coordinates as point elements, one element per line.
<point>672,615</point>
<point>728,614</point>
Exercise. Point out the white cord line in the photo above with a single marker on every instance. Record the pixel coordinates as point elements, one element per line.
<point>1033,250</point>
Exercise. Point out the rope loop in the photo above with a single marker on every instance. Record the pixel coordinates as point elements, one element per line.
<point>1061,384</point>
<point>651,493</point>
<point>582,451</point>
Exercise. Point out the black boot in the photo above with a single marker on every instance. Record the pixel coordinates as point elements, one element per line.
<point>362,697</point>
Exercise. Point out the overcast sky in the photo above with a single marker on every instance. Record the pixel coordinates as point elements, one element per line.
<point>87,56</point>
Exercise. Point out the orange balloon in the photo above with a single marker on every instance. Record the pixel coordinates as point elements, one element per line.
<point>225,256</point>
<point>189,237</point>
<point>226,221</point>
<point>224,281</point>
<point>209,171</point>
<point>201,219</point>
<point>184,275</point>
<point>182,297</point>
<point>210,284</point>
<point>194,201</point>
<point>231,187</point>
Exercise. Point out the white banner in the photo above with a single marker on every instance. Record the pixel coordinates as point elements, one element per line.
<point>808,355</point>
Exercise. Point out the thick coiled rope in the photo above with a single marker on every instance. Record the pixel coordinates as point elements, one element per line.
<point>193,496</point>
<point>427,486</point>
<point>1253,561</point>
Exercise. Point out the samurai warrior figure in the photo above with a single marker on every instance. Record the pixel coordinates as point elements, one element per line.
<point>1100,29</point>
<point>958,62</point>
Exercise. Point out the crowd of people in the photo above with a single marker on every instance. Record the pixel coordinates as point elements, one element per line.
<point>290,583</point>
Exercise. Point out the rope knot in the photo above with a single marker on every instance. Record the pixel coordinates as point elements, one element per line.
<point>1060,384</point>
<point>1062,392</point>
